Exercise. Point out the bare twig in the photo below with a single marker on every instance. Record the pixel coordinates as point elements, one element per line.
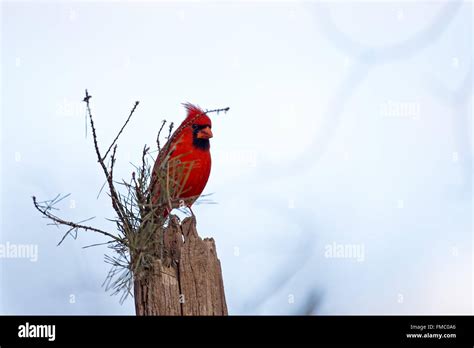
<point>113,192</point>
<point>218,110</point>
<point>45,210</point>
<point>158,136</point>
<point>121,130</point>
<point>170,130</point>
<point>112,161</point>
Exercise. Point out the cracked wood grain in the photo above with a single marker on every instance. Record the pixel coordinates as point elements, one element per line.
<point>189,280</point>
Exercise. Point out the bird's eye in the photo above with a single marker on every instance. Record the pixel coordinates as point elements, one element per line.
<point>198,127</point>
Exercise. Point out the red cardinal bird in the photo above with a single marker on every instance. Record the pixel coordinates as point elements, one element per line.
<point>188,159</point>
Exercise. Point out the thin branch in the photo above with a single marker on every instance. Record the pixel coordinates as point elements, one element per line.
<point>45,211</point>
<point>158,136</point>
<point>113,193</point>
<point>170,130</point>
<point>112,162</point>
<point>218,110</point>
<point>121,130</point>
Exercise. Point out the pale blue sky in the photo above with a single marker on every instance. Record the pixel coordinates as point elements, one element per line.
<point>350,124</point>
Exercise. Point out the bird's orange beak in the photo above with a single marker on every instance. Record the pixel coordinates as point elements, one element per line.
<point>205,133</point>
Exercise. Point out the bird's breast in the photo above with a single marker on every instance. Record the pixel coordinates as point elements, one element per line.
<point>196,168</point>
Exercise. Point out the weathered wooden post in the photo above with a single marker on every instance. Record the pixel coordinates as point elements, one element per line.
<point>188,281</point>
